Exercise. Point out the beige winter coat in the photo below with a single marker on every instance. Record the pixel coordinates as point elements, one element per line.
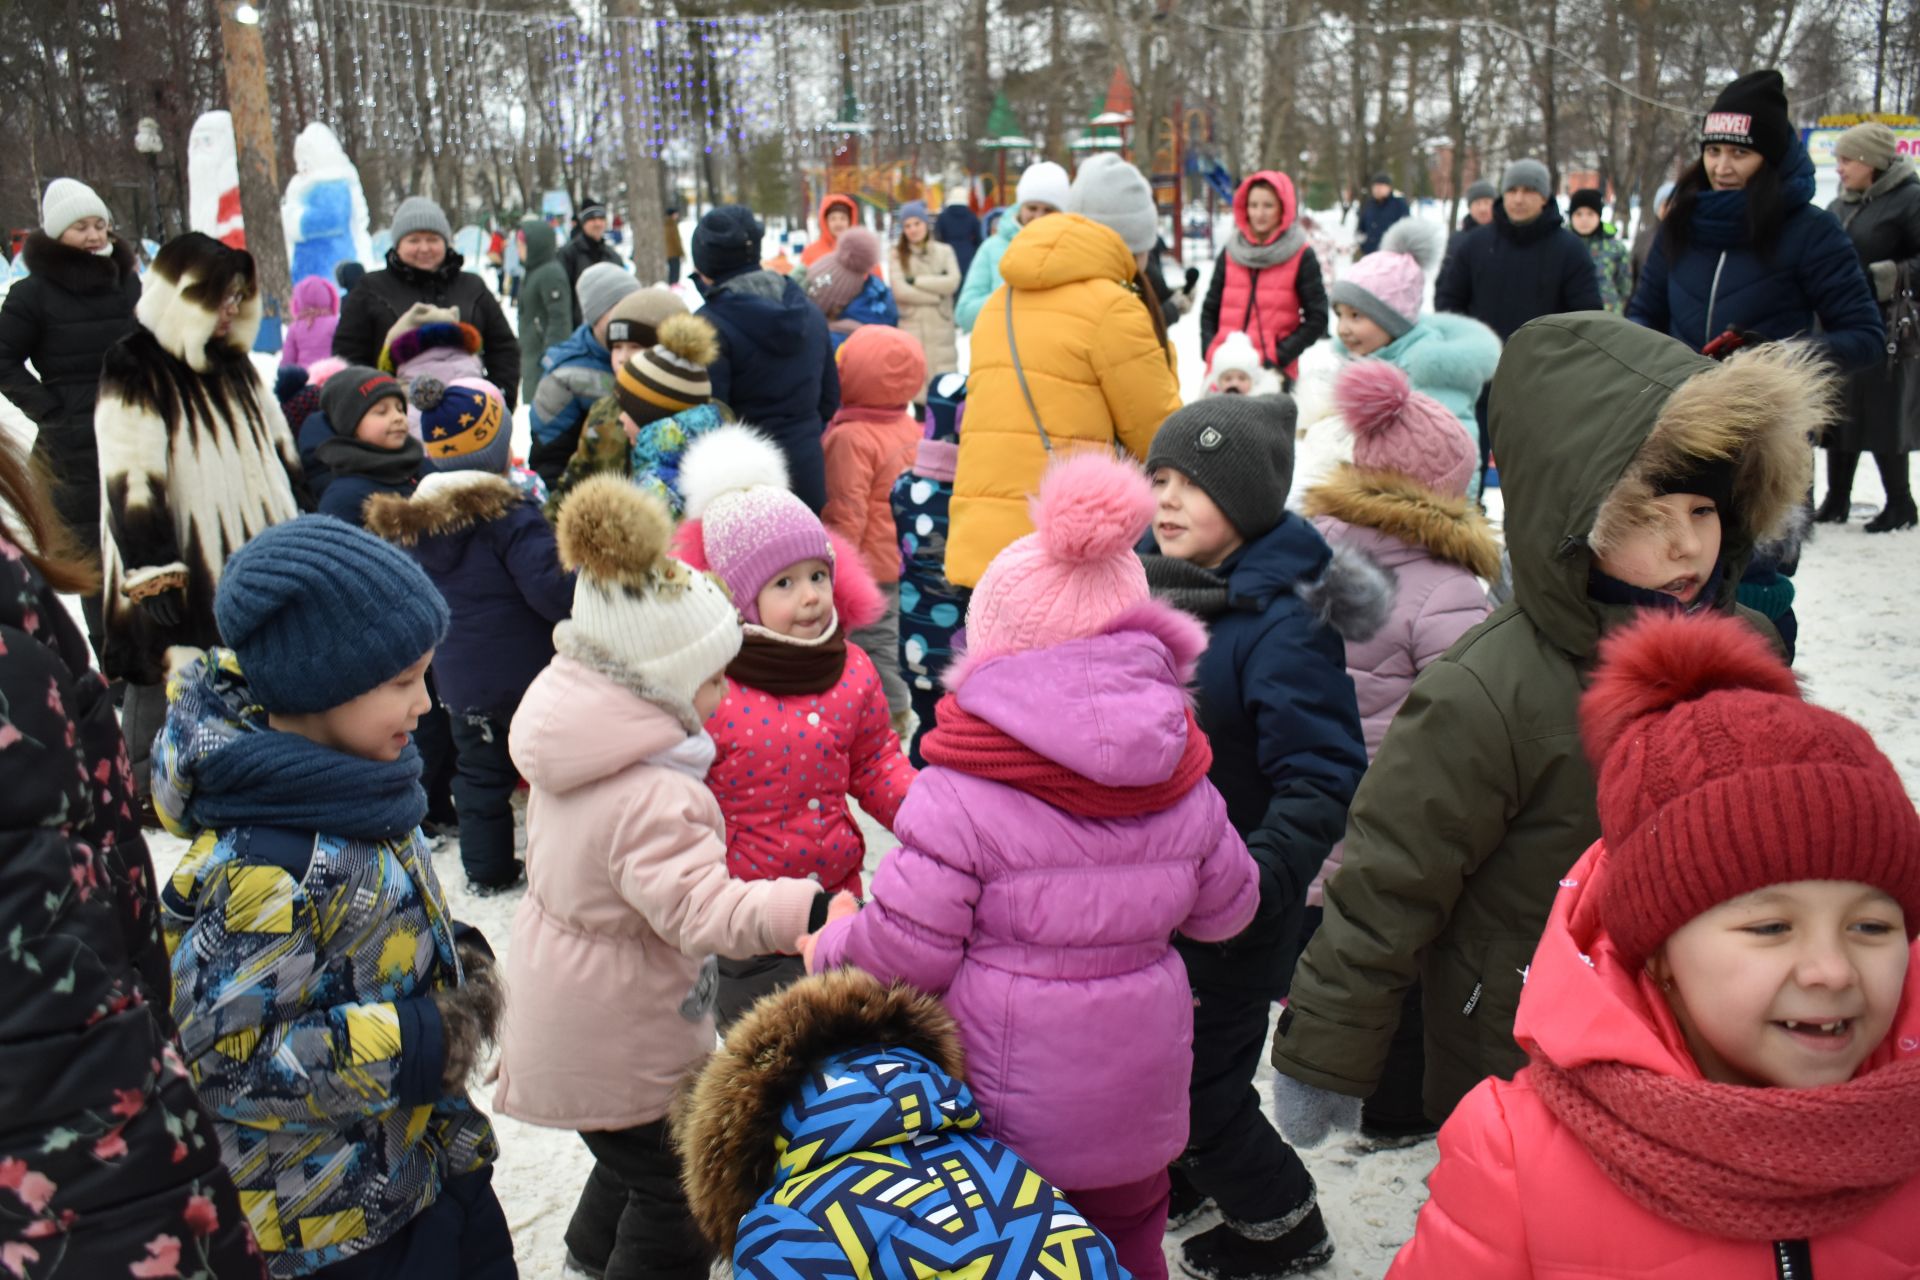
<point>926,305</point>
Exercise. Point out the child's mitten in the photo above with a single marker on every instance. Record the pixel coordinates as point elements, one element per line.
<point>1306,1115</point>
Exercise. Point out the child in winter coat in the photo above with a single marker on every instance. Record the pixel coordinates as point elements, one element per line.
<point>1267,283</point>
<point>1065,832</point>
<point>805,721</point>
<point>931,608</point>
<point>773,1168</point>
<point>1654,504</point>
<point>577,373</point>
<point>846,288</point>
<point>1723,1020</point>
<point>316,311</point>
<point>1235,369</point>
<point>1612,261</point>
<point>628,896</point>
<point>1277,704</point>
<point>329,1006</point>
<point>370,449</point>
<point>491,555</point>
<point>869,445</point>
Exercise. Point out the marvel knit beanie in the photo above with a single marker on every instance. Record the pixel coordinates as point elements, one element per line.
<point>1239,450</point>
<point>881,367</point>
<point>733,480</point>
<point>640,616</point>
<point>726,241</point>
<point>1715,779</point>
<point>417,213</point>
<point>1043,183</point>
<point>1528,174</point>
<point>463,427</point>
<point>1752,113</point>
<point>638,316</point>
<point>1397,429</point>
<point>670,376</point>
<point>1389,285</point>
<point>1481,189</point>
<point>320,612</point>
<point>600,287</point>
<point>350,393</point>
<point>68,200</point>
<point>1587,198</point>
<point>1869,142</point>
<point>1112,192</point>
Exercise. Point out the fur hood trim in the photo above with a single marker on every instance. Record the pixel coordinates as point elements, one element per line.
<point>1450,529</point>
<point>1354,596</point>
<point>726,1121</point>
<point>434,510</point>
<point>1763,408</point>
<point>77,271</point>
<point>1184,635</point>
<point>180,303</point>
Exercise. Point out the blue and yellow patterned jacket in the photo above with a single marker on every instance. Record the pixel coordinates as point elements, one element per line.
<point>833,1137</point>
<point>303,966</point>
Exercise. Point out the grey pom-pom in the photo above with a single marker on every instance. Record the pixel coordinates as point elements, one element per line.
<point>427,393</point>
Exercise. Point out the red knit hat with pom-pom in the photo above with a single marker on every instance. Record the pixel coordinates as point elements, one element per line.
<point>1716,779</point>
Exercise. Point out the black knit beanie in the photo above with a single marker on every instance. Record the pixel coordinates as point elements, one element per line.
<point>1239,450</point>
<point>1586,198</point>
<point>1752,113</point>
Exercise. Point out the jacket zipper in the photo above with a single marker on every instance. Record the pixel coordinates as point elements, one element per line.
<point>1792,1260</point>
<point>1712,297</point>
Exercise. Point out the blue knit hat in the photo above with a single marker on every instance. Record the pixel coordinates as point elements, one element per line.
<point>465,428</point>
<point>320,612</point>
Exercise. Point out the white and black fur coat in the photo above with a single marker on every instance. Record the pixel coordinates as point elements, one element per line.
<point>195,455</point>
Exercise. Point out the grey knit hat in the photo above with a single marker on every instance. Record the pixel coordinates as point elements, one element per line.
<point>1112,192</point>
<point>1871,143</point>
<point>600,287</point>
<point>1239,450</point>
<point>417,213</point>
<point>1481,190</point>
<point>1530,174</point>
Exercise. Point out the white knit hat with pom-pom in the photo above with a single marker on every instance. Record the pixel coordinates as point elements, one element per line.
<point>640,616</point>
<point>1076,572</point>
<point>734,482</point>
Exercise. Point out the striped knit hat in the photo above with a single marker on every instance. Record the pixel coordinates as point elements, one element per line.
<point>671,376</point>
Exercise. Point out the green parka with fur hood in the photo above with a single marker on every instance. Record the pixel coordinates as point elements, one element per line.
<point>1480,798</point>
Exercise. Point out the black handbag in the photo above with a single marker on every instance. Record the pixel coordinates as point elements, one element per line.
<point>1903,320</point>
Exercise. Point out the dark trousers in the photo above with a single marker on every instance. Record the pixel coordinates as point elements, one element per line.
<point>673,272</point>
<point>744,981</point>
<point>483,783</point>
<point>438,758</point>
<point>1234,1156</point>
<point>1486,441</point>
<point>460,1236</point>
<point>632,1218</point>
<point>1841,464</point>
<point>143,711</point>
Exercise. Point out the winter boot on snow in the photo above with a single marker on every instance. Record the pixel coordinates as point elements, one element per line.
<point>1289,1246</point>
<point>1185,1202</point>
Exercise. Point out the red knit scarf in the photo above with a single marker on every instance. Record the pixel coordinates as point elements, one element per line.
<point>1738,1162</point>
<point>968,744</point>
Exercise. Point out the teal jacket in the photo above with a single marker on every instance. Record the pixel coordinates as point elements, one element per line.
<point>983,277</point>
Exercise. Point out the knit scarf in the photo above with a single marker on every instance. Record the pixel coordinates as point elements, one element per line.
<point>1743,1163</point>
<point>964,742</point>
<point>1720,217</point>
<point>1185,585</point>
<point>783,666</point>
<point>1258,257</point>
<point>273,779</point>
<point>346,456</point>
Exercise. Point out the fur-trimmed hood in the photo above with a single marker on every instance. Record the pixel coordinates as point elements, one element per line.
<point>1449,529</point>
<point>180,303</point>
<point>443,503</point>
<point>728,1123</point>
<point>76,270</point>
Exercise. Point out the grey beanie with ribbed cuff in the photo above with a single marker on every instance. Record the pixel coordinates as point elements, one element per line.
<point>417,213</point>
<point>1364,301</point>
<point>1239,450</point>
<point>1530,174</point>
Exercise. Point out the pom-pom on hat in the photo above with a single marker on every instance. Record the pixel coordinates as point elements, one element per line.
<point>881,367</point>
<point>670,376</point>
<point>733,480</point>
<point>837,279</point>
<point>1389,285</point>
<point>1717,780</point>
<point>1396,428</point>
<point>463,428</point>
<point>1076,572</point>
<point>320,612</point>
<point>640,616</point>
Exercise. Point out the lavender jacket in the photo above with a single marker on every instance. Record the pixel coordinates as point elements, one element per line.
<point>1050,935</point>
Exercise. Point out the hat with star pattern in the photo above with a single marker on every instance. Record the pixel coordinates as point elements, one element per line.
<point>463,428</point>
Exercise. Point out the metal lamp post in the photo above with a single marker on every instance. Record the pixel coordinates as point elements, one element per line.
<point>147,141</point>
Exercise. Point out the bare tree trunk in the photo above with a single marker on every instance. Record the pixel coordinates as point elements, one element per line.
<point>645,218</point>
<point>253,133</point>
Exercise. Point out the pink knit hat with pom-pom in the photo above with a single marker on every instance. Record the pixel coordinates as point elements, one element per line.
<point>1395,428</point>
<point>1388,286</point>
<point>733,481</point>
<point>1076,572</point>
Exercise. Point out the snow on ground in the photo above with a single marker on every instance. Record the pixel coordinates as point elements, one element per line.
<point>1857,655</point>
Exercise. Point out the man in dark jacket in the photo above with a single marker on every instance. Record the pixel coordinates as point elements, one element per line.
<point>1480,199</point>
<point>959,230</point>
<point>1380,210</point>
<point>587,246</point>
<point>774,339</point>
<point>422,267</point>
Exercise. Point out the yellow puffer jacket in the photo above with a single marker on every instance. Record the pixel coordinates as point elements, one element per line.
<point>1097,372</point>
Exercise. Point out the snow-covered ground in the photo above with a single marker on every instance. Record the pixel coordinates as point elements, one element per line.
<point>1857,655</point>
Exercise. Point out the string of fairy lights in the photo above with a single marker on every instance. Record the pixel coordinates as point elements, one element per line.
<point>421,75</point>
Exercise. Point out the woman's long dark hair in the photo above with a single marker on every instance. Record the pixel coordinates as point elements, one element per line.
<point>1764,211</point>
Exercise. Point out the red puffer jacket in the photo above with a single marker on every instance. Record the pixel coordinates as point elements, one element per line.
<point>1282,308</point>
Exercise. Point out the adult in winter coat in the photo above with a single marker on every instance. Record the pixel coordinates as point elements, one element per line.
<point>422,267</point>
<point>546,304</point>
<point>1043,189</point>
<point>776,365</point>
<point>1522,265</point>
<point>1454,889</point>
<point>924,275</point>
<point>1380,210</point>
<point>1743,251</point>
<point>585,247</point>
<point>1267,284</point>
<point>1072,328</point>
<point>316,314</point>
<point>195,459</point>
<point>87,1028</point>
<point>1879,205</point>
<point>1612,264</point>
<point>958,228</point>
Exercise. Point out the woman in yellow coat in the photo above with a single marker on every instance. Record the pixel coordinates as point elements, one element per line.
<point>1093,351</point>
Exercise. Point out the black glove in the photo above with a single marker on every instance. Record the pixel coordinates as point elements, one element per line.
<point>469,1017</point>
<point>166,609</point>
<point>1193,278</point>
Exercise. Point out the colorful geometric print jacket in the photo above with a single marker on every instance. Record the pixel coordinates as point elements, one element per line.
<point>303,966</point>
<point>803,1149</point>
<point>652,461</point>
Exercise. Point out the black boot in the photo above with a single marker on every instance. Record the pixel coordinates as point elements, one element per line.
<point>1186,1202</point>
<point>1838,504</point>
<point>1899,512</point>
<point>1291,1246</point>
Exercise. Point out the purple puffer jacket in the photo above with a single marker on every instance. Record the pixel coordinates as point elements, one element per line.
<point>1048,934</point>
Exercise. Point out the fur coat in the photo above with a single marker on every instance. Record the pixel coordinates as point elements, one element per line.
<point>195,457</point>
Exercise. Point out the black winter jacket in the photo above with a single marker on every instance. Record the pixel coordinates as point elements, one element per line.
<point>1505,275</point>
<point>575,256</point>
<point>63,317</point>
<point>382,297</point>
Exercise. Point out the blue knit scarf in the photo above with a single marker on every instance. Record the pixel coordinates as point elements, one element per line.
<point>269,778</point>
<point>1720,217</point>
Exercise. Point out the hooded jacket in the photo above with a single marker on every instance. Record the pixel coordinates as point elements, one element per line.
<point>983,273</point>
<point>828,241</point>
<point>1282,308</point>
<point>832,1081</point>
<point>1480,796</point>
<point>1092,361</point>
<point>1048,934</point>
<point>1505,275</point>
<point>87,1027</point>
<point>546,313</point>
<point>492,556</point>
<point>776,369</point>
<point>375,305</point>
<point>577,374</point>
<point>316,314</point>
<point>1807,285</point>
<point>869,445</point>
<point>1509,1170</point>
<point>627,898</point>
